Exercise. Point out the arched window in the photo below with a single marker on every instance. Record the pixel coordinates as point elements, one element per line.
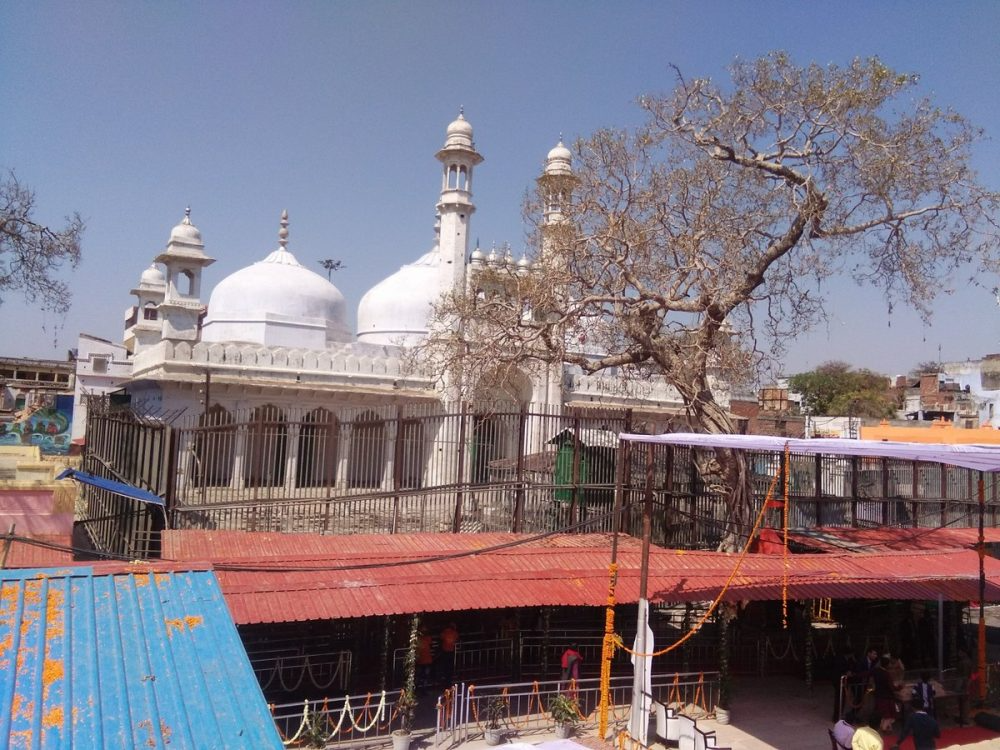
<point>486,447</point>
<point>318,443</point>
<point>267,436</point>
<point>366,464</point>
<point>411,470</point>
<point>214,449</point>
<point>185,283</point>
<point>149,311</point>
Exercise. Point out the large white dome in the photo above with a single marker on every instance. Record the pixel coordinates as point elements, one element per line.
<point>397,310</point>
<point>276,302</point>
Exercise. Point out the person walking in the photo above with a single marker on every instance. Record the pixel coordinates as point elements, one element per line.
<point>570,662</point>
<point>922,726</point>
<point>448,642</point>
<point>885,695</point>
<point>924,691</point>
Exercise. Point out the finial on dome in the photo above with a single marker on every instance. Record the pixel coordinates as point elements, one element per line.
<point>283,232</point>
<point>461,111</point>
<point>187,215</point>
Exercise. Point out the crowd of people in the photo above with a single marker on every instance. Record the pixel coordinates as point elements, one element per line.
<point>872,698</point>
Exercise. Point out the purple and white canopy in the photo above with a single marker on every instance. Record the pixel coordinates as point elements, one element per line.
<point>976,457</point>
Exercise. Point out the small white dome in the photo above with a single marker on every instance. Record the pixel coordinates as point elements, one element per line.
<point>460,126</point>
<point>397,310</point>
<point>477,257</point>
<point>186,232</point>
<point>559,151</point>
<point>559,160</point>
<point>152,276</point>
<point>459,133</point>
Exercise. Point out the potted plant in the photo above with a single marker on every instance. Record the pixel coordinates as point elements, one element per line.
<point>565,711</point>
<point>406,706</point>
<point>496,709</point>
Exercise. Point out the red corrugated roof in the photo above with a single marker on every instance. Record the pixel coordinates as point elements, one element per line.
<point>24,554</point>
<point>297,577</point>
<point>887,538</point>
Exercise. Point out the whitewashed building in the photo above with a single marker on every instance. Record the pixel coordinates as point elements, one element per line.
<point>272,340</point>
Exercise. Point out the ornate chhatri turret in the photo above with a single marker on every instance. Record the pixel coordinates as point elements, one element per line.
<point>184,259</point>
<point>458,157</point>
<point>142,322</point>
<point>557,182</point>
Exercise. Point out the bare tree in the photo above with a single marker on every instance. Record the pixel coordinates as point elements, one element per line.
<point>31,253</point>
<point>697,244</point>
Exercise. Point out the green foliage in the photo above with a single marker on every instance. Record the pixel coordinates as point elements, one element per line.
<point>564,709</point>
<point>316,731</point>
<point>407,703</point>
<point>835,389</point>
<point>496,709</point>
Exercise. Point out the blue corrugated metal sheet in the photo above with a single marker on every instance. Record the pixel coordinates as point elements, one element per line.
<point>148,660</point>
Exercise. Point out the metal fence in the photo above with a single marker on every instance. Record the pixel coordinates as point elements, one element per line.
<point>409,468</point>
<point>291,671</point>
<point>129,448</point>
<point>460,711</point>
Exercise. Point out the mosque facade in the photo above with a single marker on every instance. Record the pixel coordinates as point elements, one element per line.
<point>277,332</point>
<point>272,343</point>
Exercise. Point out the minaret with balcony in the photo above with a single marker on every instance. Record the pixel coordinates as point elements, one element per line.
<point>458,158</point>
<point>184,259</point>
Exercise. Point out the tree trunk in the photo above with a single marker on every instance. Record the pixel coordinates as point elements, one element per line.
<point>727,473</point>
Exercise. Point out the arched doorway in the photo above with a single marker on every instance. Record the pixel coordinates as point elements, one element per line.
<point>411,470</point>
<point>366,464</point>
<point>267,436</point>
<point>318,448</point>
<point>214,449</point>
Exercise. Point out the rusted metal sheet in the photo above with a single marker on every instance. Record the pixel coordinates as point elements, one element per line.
<point>886,538</point>
<point>37,552</point>
<point>121,661</point>
<point>280,578</point>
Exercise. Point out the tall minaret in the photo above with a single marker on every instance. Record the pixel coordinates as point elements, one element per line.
<point>556,185</point>
<point>455,207</point>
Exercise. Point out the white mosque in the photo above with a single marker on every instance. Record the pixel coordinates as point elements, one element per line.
<point>275,333</point>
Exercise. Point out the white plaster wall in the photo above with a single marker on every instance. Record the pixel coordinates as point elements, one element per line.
<point>88,382</point>
<point>969,373</point>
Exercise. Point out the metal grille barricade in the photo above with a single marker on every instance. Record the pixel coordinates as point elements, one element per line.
<point>420,468</point>
<point>462,709</point>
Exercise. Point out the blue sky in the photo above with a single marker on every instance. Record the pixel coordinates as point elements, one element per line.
<point>128,112</point>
